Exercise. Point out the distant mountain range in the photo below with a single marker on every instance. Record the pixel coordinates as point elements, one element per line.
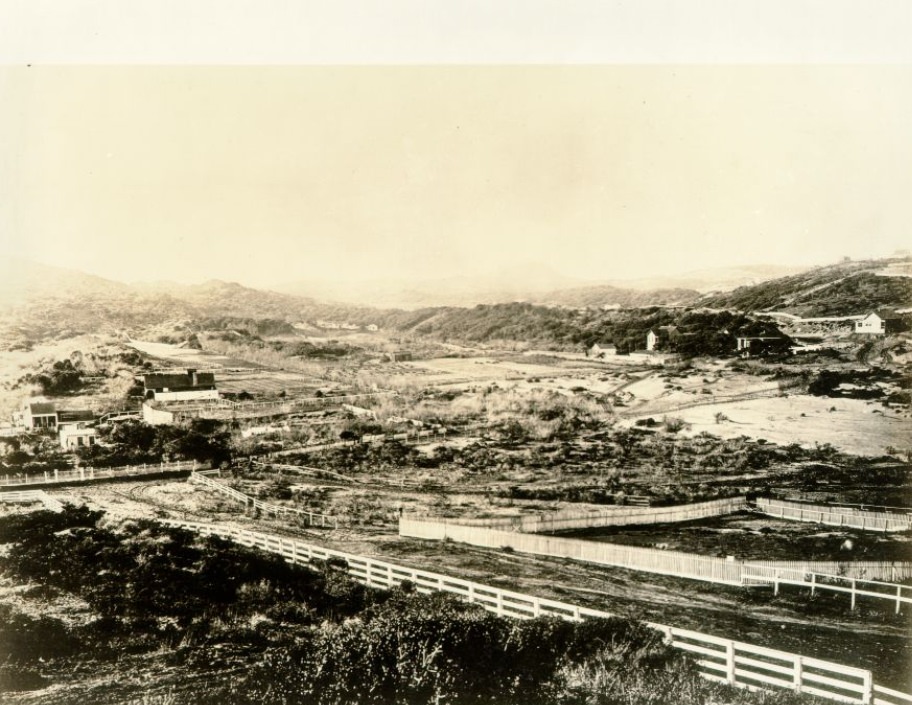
<point>38,301</point>
<point>539,284</point>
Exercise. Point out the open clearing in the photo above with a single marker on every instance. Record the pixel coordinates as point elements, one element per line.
<point>187,357</point>
<point>851,425</point>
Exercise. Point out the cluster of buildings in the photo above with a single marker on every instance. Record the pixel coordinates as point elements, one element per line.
<point>73,427</point>
<point>769,339</point>
<point>335,325</point>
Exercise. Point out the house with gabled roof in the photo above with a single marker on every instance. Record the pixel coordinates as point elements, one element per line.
<point>879,323</point>
<point>662,337</point>
<point>602,350</point>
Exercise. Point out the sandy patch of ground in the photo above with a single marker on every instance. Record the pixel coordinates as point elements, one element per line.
<point>851,425</point>
<point>186,357</point>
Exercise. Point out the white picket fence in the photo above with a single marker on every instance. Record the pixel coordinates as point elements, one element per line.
<point>312,518</point>
<point>89,474</point>
<point>650,560</point>
<point>30,497</point>
<point>611,516</point>
<point>725,660</point>
<point>848,517</point>
<point>820,575</point>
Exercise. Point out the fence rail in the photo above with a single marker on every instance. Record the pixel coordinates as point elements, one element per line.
<point>734,662</point>
<point>50,477</point>
<point>854,518</point>
<point>313,519</point>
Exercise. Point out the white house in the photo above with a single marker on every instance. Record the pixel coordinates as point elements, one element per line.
<point>73,437</point>
<point>873,324</point>
<point>602,350</point>
<point>651,339</point>
<point>39,415</point>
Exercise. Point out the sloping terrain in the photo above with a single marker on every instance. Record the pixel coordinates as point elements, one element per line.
<point>848,288</point>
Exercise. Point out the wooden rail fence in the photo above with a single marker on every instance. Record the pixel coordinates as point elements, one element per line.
<point>313,519</point>
<point>854,587</point>
<point>50,477</point>
<point>725,660</point>
<point>848,517</point>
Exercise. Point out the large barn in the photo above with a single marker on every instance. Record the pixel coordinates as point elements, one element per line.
<point>190,386</point>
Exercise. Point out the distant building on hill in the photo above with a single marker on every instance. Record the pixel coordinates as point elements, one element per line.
<point>878,324</point>
<point>661,338</point>
<point>191,386</point>
<point>602,350</point>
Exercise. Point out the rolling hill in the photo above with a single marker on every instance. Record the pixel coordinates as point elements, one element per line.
<point>844,289</point>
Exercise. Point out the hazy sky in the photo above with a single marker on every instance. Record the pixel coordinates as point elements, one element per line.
<point>269,175</point>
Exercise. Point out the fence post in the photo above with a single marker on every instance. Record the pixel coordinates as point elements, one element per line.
<point>898,596</point>
<point>813,583</point>
<point>853,593</point>
<point>499,603</point>
<point>867,686</point>
<point>730,676</point>
<point>798,674</point>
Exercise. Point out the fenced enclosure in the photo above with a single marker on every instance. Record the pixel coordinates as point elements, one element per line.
<point>313,519</point>
<point>612,516</point>
<point>836,515</point>
<point>650,560</point>
<point>725,660</point>
<point>821,575</point>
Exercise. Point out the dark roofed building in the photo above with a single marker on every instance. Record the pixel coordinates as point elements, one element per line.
<point>191,385</point>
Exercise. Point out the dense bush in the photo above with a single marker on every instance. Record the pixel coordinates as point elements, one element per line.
<point>135,442</point>
<point>435,649</point>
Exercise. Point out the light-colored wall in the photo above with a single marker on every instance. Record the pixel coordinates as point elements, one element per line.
<point>156,417</point>
<point>871,324</point>
<point>188,395</point>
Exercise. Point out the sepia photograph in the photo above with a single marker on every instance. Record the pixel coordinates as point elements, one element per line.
<point>455,353</point>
